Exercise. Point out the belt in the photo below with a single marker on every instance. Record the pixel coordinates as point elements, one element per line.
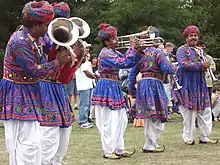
<point>51,80</point>
<point>19,77</point>
<point>109,77</point>
<point>153,75</point>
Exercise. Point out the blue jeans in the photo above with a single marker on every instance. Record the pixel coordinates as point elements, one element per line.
<point>71,88</point>
<point>84,105</point>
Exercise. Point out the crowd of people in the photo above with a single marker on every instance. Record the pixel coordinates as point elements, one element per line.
<point>147,81</point>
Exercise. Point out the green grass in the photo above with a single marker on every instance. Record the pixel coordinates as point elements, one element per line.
<point>85,148</point>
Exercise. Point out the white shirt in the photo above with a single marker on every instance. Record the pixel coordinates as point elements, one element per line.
<point>83,82</point>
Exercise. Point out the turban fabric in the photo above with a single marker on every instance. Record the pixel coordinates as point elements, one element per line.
<point>38,12</point>
<point>191,29</point>
<point>62,9</point>
<point>106,32</point>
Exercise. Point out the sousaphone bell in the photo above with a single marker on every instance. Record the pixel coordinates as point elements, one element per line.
<point>83,26</point>
<point>64,32</point>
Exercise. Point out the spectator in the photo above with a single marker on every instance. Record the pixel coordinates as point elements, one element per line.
<point>84,83</point>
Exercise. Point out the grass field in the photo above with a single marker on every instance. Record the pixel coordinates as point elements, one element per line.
<point>85,148</point>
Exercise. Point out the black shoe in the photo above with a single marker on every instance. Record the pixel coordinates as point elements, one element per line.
<point>208,142</point>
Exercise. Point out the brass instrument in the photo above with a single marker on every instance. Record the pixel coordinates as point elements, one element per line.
<point>64,32</point>
<point>83,26</point>
<point>209,70</point>
<point>144,42</point>
<point>174,77</point>
<point>147,38</point>
<point>67,32</point>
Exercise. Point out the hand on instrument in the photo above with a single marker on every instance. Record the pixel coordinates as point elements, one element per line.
<point>135,42</point>
<point>79,50</point>
<point>64,57</point>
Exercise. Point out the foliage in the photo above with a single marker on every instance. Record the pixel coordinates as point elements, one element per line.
<point>170,16</point>
<point>1,62</point>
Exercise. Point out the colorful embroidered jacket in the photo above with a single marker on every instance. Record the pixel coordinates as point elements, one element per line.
<point>151,99</point>
<point>108,92</point>
<point>19,89</point>
<point>56,102</point>
<point>194,92</point>
<point>153,65</point>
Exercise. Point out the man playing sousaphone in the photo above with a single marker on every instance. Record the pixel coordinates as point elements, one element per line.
<point>108,100</point>
<point>56,130</point>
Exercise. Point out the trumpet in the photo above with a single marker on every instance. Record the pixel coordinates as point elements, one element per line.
<point>147,42</point>
<point>147,38</point>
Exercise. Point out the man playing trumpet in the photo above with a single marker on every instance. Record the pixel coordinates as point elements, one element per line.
<point>151,99</point>
<point>195,101</point>
<point>108,100</point>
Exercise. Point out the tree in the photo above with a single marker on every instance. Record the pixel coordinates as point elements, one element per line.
<point>170,16</point>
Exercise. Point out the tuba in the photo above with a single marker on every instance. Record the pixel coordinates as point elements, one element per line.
<point>69,33</point>
<point>83,26</point>
<point>64,32</point>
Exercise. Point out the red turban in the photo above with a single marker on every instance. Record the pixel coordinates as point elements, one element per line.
<point>191,29</point>
<point>106,31</point>
<point>38,12</point>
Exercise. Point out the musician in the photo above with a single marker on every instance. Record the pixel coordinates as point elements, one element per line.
<point>151,99</point>
<point>111,117</point>
<point>56,129</point>
<point>20,101</point>
<point>195,101</point>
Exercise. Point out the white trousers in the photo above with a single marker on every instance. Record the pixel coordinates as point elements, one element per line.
<point>54,144</point>
<point>111,125</point>
<point>216,109</point>
<point>204,120</point>
<point>23,142</point>
<point>168,93</point>
<point>92,112</point>
<point>152,131</point>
